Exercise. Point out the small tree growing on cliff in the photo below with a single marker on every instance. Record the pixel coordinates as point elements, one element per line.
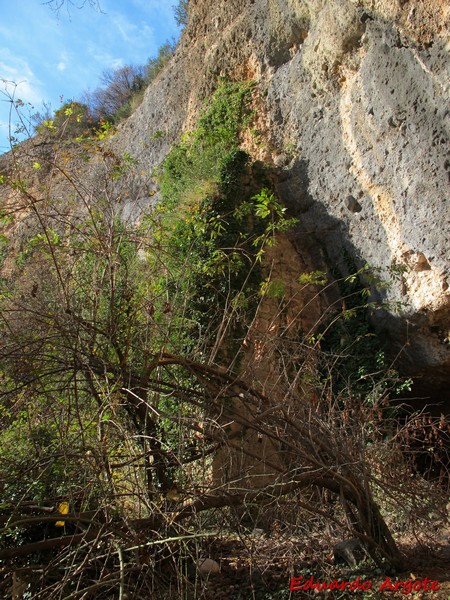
<point>71,120</point>
<point>118,89</point>
<point>181,13</point>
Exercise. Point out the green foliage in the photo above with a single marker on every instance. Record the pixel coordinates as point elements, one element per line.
<point>159,134</point>
<point>355,357</point>
<point>121,167</point>
<point>99,292</point>
<point>274,289</point>
<point>72,120</point>
<point>156,64</point>
<point>314,277</point>
<point>41,434</point>
<point>181,12</point>
<point>269,210</point>
<point>209,224</point>
<point>3,241</point>
<point>198,160</point>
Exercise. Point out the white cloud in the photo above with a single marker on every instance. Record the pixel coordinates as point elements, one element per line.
<point>17,82</point>
<point>64,58</point>
<point>19,79</point>
<point>102,59</point>
<point>132,33</point>
<point>117,63</point>
<point>154,6</point>
<point>126,29</point>
<point>137,36</point>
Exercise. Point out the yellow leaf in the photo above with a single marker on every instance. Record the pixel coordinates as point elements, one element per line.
<point>173,495</point>
<point>63,509</point>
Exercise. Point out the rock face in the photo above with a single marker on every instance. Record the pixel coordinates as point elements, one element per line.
<point>367,109</point>
<point>353,113</point>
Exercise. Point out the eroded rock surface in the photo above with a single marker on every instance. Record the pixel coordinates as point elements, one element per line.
<point>352,102</point>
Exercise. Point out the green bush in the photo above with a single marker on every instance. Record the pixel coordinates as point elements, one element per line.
<point>352,346</point>
<point>156,64</point>
<point>210,225</point>
<point>72,120</point>
<point>181,12</point>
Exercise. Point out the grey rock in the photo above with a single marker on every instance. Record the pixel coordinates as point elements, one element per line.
<point>208,566</point>
<point>353,205</point>
<point>349,551</point>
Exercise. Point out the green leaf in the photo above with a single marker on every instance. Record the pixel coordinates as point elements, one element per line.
<point>314,277</point>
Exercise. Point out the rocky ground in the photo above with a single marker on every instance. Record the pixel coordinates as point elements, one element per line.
<point>259,567</point>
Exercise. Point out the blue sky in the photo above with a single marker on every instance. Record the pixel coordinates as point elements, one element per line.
<point>53,57</point>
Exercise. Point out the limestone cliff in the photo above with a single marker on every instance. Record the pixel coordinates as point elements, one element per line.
<point>352,113</point>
